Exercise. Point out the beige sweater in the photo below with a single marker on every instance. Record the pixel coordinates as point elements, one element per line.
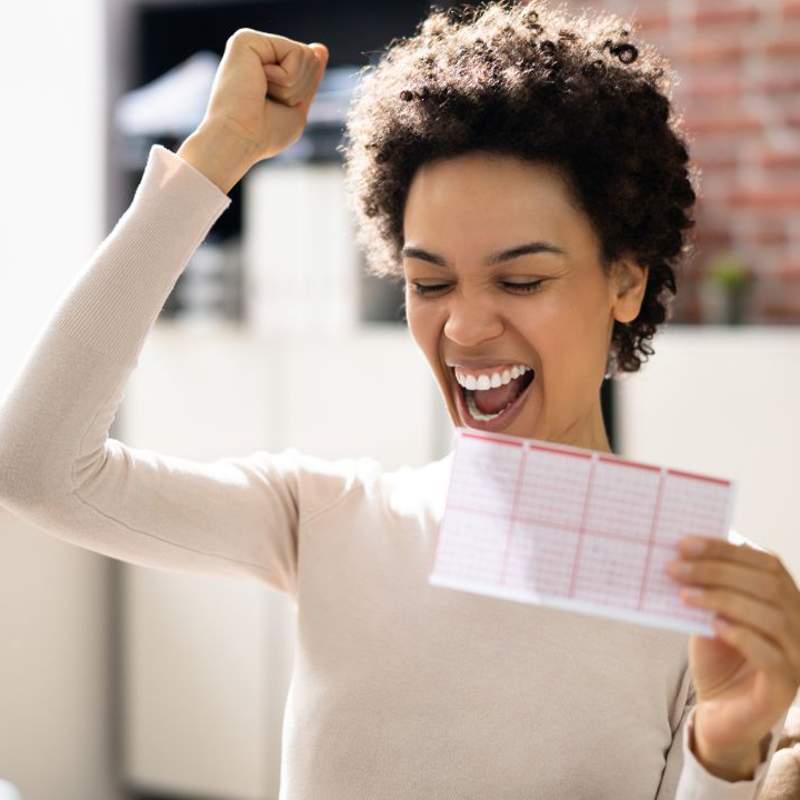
<point>400,689</point>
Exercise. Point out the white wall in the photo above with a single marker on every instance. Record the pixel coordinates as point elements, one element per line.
<point>55,730</point>
<point>724,400</point>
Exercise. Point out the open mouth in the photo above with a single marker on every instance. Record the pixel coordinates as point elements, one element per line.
<point>493,408</point>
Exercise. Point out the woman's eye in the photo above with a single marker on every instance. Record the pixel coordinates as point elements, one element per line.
<point>525,288</point>
<point>420,288</point>
<point>521,288</point>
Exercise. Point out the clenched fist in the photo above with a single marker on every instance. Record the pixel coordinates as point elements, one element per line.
<point>259,104</point>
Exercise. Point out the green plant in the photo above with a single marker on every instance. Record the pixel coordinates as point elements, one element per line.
<point>729,270</point>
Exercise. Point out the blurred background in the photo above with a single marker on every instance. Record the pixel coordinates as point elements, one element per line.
<point>119,682</point>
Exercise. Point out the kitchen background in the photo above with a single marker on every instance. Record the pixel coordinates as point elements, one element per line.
<point>121,682</point>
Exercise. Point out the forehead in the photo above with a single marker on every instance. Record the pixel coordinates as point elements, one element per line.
<point>488,201</point>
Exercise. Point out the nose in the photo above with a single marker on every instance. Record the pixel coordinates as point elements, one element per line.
<point>471,322</point>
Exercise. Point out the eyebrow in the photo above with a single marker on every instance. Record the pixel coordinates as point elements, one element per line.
<point>495,258</point>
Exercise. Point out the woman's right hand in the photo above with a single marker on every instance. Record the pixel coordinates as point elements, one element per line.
<point>259,104</point>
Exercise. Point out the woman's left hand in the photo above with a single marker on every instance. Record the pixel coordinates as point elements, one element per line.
<point>747,678</point>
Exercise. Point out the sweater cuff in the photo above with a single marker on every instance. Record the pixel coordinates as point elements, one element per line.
<point>167,173</point>
<point>697,783</point>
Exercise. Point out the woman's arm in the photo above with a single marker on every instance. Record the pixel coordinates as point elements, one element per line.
<point>60,471</point>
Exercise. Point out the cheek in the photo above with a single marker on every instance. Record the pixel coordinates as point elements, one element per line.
<point>542,323</point>
<point>423,324</point>
<point>563,331</point>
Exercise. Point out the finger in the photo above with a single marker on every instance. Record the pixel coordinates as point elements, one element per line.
<point>297,82</point>
<point>308,78</point>
<point>292,91</point>
<point>758,650</point>
<point>770,588</point>
<point>283,94</point>
<point>322,54</point>
<point>764,586</point>
<point>277,75</point>
<point>761,617</point>
<point>317,73</point>
<point>270,47</point>
<point>728,551</point>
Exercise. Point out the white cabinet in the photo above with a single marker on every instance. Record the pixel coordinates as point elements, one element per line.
<point>206,662</point>
<point>301,260</point>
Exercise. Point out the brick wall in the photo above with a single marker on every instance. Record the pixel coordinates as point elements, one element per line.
<point>739,92</point>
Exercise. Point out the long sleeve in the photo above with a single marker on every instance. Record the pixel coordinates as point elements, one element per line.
<point>60,471</point>
<point>685,778</point>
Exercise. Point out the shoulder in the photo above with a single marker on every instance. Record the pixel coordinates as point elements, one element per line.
<point>308,483</point>
<point>419,491</point>
<point>321,485</point>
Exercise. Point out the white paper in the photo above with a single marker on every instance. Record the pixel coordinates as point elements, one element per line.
<point>575,529</point>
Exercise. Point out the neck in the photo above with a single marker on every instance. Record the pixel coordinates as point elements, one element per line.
<point>588,432</point>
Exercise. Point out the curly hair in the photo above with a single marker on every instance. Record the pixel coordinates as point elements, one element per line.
<point>531,81</point>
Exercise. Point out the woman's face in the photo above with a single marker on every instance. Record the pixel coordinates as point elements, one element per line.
<point>462,214</point>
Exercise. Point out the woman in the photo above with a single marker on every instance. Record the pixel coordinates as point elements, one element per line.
<point>519,170</point>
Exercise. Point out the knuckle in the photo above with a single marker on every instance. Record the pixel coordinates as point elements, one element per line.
<point>706,572</point>
<point>773,590</point>
<point>233,39</point>
<point>239,36</point>
<point>781,624</point>
<point>738,606</point>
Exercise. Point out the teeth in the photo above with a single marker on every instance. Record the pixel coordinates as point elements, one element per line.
<point>478,415</point>
<point>490,381</point>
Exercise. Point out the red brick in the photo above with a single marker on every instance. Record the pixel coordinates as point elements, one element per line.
<point>693,312</point>
<point>717,162</point>
<point>722,86</point>
<point>687,310</point>
<point>713,237</point>
<point>646,23</point>
<point>782,312</point>
<point>783,47</point>
<point>778,84</point>
<point>723,123</point>
<point>789,272</point>
<point>710,151</point>
<point>726,14</point>
<point>791,9</point>
<point>702,52</point>
<point>775,236</point>
<point>774,159</point>
<point>769,198</point>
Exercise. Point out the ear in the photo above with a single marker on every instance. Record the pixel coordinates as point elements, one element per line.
<point>628,284</point>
